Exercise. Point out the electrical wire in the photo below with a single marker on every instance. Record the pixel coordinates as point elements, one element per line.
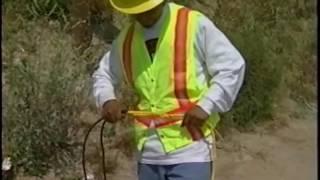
<point>84,147</point>
<point>103,153</point>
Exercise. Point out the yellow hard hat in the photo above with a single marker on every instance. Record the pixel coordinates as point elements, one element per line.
<point>134,6</point>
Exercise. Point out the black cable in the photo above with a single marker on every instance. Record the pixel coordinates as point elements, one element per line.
<point>102,148</point>
<point>84,148</point>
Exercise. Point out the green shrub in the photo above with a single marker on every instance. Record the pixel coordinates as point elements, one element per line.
<point>33,9</point>
<point>49,8</point>
<point>264,71</point>
<point>46,85</point>
<point>276,39</point>
<point>46,89</point>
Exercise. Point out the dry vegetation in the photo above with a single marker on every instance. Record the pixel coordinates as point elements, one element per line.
<point>46,92</point>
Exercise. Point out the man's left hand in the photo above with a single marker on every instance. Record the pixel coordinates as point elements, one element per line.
<point>195,117</point>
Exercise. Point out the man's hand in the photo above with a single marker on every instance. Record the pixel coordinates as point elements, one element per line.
<point>193,121</point>
<point>195,117</point>
<point>113,110</point>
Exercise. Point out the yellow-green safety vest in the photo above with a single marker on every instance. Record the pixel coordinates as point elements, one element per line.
<point>168,84</point>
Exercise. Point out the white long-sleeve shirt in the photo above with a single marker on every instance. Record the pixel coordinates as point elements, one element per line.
<point>219,64</point>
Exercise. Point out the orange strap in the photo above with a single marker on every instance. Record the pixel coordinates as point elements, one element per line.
<point>158,122</point>
<point>145,118</point>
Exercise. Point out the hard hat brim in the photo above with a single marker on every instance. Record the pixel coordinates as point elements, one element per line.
<point>136,9</point>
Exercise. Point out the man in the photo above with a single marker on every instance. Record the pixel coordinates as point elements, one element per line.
<point>178,62</point>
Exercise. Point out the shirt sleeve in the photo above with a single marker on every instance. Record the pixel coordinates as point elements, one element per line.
<point>224,65</point>
<point>107,77</point>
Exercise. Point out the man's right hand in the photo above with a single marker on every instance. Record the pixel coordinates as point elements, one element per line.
<point>113,110</point>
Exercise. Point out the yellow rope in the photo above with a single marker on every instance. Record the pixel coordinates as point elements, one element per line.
<point>141,114</point>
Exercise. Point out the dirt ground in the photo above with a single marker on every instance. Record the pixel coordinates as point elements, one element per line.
<point>286,153</point>
<point>283,149</point>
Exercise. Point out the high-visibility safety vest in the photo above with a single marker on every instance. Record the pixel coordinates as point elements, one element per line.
<point>168,84</point>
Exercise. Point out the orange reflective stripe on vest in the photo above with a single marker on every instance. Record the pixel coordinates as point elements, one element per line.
<point>127,56</point>
<point>180,56</point>
<point>180,66</point>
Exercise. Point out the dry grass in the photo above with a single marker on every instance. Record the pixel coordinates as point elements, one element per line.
<point>41,68</point>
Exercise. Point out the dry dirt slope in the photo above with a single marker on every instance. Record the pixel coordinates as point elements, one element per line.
<point>285,153</point>
<point>284,149</point>
<point>279,150</point>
